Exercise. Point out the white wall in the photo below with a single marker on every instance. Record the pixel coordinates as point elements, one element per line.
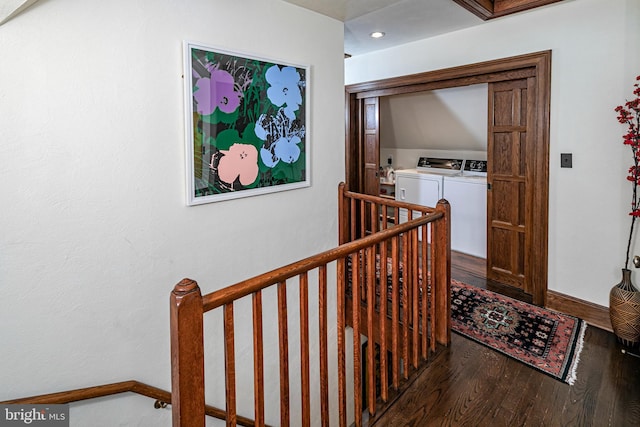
<point>596,56</point>
<point>94,230</point>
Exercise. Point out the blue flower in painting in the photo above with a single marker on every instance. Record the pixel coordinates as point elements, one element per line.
<point>285,149</point>
<point>284,88</point>
<point>260,125</point>
<point>281,137</point>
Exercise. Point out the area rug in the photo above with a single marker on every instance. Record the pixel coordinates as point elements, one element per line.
<point>548,341</point>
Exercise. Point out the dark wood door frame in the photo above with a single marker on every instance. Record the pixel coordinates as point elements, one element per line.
<point>489,9</point>
<point>536,65</point>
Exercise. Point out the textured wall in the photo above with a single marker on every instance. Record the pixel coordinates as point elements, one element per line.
<point>94,230</point>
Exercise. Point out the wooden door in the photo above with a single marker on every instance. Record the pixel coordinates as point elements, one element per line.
<point>510,210</point>
<point>371,144</point>
<point>519,129</point>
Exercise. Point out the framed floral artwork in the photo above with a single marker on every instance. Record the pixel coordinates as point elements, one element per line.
<point>246,125</point>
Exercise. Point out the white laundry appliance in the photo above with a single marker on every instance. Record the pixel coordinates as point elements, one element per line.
<point>424,184</point>
<point>467,196</point>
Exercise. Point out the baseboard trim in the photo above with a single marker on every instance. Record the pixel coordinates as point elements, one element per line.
<point>594,314</point>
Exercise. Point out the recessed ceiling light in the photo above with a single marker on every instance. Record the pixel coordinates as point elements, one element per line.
<point>377,34</point>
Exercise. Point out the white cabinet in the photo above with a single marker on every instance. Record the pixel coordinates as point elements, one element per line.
<point>467,196</point>
<point>468,199</point>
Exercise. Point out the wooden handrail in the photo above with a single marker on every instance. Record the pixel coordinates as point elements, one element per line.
<point>132,386</point>
<point>257,283</point>
<point>389,202</point>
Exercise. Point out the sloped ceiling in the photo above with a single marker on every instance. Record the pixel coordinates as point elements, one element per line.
<point>11,8</point>
<point>444,119</point>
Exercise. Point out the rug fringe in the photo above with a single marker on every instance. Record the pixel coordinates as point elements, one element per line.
<point>573,374</point>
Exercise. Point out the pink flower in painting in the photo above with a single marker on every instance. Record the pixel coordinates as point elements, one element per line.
<point>240,160</point>
<point>217,91</point>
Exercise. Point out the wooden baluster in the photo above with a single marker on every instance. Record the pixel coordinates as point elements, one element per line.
<point>406,307</point>
<point>371,302</point>
<point>374,217</point>
<point>384,294</point>
<point>230,365</point>
<point>187,355</point>
<point>424,270</point>
<point>304,350</point>
<point>432,289</point>
<point>357,359</point>
<point>258,359</point>
<point>370,256</point>
<point>354,224</point>
<point>342,375</point>
<point>395,313</point>
<point>284,353</point>
<point>324,351</point>
<point>415,297</point>
<point>343,215</point>
<point>363,222</point>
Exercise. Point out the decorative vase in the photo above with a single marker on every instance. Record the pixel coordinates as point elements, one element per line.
<point>624,311</point>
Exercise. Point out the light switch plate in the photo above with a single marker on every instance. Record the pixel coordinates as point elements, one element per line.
<point>566,160</point>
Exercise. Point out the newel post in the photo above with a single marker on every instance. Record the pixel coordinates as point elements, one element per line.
<point>187,355</point>
<point>442,273</point>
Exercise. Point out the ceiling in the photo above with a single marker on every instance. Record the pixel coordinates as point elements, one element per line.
<point>404,21</point>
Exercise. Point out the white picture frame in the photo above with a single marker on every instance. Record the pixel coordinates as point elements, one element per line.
<point>246,123</point>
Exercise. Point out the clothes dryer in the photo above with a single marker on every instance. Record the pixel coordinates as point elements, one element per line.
<point>418,188</point>
<point>467,196</point>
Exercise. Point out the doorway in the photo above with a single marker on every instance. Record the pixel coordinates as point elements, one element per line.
<point>518,156</point>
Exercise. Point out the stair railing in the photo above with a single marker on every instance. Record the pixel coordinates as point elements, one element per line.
<point>423,323</point>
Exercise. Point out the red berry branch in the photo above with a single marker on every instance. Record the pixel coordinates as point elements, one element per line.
<point>629,114</point>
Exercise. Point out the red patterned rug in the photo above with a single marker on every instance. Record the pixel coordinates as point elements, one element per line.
<point>548,341</point>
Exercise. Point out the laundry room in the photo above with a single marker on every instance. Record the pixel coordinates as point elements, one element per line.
<point>433,145</point>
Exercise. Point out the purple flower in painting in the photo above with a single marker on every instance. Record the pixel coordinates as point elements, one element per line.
<point>284,88</point>
<point>217,91</point>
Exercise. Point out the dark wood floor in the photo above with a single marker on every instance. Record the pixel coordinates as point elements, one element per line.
<point>467,384</point>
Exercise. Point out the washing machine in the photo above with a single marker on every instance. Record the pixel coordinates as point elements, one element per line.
<point>424,184</point>
<point>413,186</point>
<point>467,195</point>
